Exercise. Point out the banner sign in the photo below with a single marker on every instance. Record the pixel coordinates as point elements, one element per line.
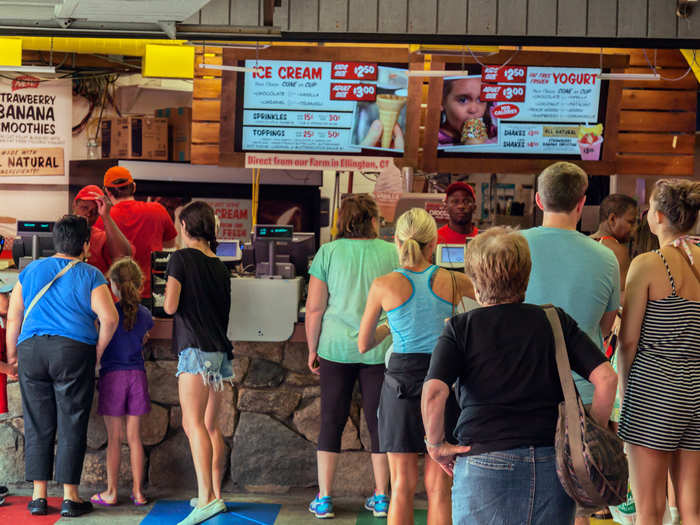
<point>292,161</point>
<point>283,101</point>
<point>522,110</point>
<point>35,127</point>
<point>234,216</point>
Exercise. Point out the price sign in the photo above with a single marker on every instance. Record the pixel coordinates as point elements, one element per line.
<point>356,92</point>
<point>506,74</point>
<point>499,93</point>
<point>353,71</point>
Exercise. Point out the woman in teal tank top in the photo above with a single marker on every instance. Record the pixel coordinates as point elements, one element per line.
<point>418,298</point>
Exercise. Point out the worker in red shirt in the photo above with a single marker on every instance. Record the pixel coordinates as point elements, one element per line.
<point>108,245</point>
<point>147,225</point>
<point>460,201</point>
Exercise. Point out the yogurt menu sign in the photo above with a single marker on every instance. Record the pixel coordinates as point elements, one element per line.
<point>35,127</point>
<point>523,110</point>
<point>323,106</point>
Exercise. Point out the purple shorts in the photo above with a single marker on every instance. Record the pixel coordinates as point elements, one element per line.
<point>123,393</point>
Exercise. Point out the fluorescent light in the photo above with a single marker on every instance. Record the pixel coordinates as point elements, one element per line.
<point>438,73</point>
<point>629,76</point>
<point>238,69</point>
<point>29,69</point>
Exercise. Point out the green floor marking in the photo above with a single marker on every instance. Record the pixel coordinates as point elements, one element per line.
<point>420,517</point>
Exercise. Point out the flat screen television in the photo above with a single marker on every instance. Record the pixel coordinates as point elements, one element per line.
<point>522,111</point>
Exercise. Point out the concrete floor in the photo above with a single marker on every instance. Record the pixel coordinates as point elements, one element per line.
<point>294,508</point>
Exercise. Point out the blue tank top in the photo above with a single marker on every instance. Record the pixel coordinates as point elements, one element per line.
<point>417,323</point>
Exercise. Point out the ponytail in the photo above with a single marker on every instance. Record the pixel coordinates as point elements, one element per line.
<point>415,229</point>
<point>128,279</point>
<point>410,252</point>
<point>200,222</point>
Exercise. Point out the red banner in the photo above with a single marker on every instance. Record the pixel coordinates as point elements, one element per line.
<point>358,92</point>
<point>498,93</point>
<point>353,71</point>
<point>508,74</point>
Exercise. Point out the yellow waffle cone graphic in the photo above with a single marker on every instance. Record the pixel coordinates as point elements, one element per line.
<point>389,109</point>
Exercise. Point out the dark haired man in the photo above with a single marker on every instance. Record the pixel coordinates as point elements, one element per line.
<point>147,225</point>
<point>460,201</point>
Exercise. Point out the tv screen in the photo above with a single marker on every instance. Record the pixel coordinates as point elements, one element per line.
<point>338,107</point>
<point>522,110</point>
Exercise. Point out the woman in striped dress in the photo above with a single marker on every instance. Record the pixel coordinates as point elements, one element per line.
<point>660,359</point>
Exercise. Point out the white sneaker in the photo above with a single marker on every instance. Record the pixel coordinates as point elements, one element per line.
<point>200,514</point>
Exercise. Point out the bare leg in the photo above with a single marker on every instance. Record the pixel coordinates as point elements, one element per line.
<point>39,490</point>
<point>438,486</point>
<point>218,465</point>
<point>672,503</point>
<point>380,467</point>
<point>685,473</point>
<point>327,462</point>
<point>137,456</point>
<point>193,400</point>
<point>404,477</point>
<point>70,492</point>
<point>114,444</point>
<point>649,470</point>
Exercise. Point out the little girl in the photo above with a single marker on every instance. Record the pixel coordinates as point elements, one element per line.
<point>123,388</point>
<point>198,293</point>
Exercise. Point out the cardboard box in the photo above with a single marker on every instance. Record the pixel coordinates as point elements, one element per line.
<point>179,132</point>
<point>115,138</point>
<point>135,137</point>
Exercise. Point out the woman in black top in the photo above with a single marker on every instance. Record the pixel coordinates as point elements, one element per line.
<point>502,357</point>
<point>198,292</point>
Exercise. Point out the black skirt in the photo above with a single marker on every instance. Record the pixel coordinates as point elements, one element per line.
<point>400,422</point>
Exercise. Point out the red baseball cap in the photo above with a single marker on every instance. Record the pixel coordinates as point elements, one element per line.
<point>118,174</point>
<point>460,186</point>
<point>89,193</point>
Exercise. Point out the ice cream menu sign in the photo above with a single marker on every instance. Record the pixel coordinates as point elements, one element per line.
<point>523,110</point>
<point>323,106</point>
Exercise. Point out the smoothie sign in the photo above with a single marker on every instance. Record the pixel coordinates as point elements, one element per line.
<point>523,110</point>
<point>323,106</point>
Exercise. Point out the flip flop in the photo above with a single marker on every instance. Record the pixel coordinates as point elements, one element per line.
<point>137,502</point>
<point>97,499</point>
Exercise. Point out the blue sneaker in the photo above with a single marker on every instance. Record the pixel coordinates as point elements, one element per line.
<point>378,504</point>
<point>322,508</point>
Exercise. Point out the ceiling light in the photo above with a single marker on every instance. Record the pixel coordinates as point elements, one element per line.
<point>238,69</point>
<point>29,69</point>
<point>629,76</point>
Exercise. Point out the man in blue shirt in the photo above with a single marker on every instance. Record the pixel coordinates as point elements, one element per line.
<point>570,270</point>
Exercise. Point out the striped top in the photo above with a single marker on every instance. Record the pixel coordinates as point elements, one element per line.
<point>671,326</point>
<point>418,322</point>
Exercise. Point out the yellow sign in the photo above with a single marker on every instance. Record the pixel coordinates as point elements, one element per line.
<point>560,131</point>
<point>31,161</point>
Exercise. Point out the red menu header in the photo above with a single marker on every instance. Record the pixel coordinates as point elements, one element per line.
<point>357,92</point>
<point>353,71</point>
<point>498,93</point>
<point>508,74</point>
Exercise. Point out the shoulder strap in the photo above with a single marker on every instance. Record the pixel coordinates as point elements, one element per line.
<point>668,271</point>
<point>571,401</point>
<point>685,258</point>
<point>47,286</point>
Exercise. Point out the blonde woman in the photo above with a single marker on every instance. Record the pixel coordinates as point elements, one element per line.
<point>418,298</point>
<point>502,357</point>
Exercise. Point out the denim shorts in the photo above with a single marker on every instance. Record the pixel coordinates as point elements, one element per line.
<point>214,367</point>
<point>510,487</point>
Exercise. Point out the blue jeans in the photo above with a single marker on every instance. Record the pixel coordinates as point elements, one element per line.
<point>510,487</point>
<point>214,367</point>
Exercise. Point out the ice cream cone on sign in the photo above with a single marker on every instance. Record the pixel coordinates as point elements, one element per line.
<point>389,109</point>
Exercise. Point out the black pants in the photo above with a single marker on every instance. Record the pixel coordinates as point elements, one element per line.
<point>56,378</point>
<point>337,383</point>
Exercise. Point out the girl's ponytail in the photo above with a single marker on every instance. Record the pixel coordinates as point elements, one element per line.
<point>128,279</point>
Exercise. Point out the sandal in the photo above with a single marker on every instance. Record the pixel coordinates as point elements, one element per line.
<point>138,502</point>
<point>98,500</point>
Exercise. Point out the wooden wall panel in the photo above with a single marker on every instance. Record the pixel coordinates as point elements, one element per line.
<point>205,132</point>
<point>656,143</point>
<point>333,16</point>
<point>542,17</point>
<point>662,165</point>
<point>481,17</point>
<point>452,17</point>
<point>393,16</point>
<point>662,19</point>
<point>689,27</point>
<point>206,107</point>
<point>571,18</point>
<point>422,16</point>
<point>658,100</point>
<point>602,18</point>
<point>215,12</point>
<point>362,16</point>
<point>682,122</point>
<point>512,17</point>
<point>631,18</point>
<point>207,110</point>
<point>280,18</point>
<point>245,12</point>
<point>303,15</point>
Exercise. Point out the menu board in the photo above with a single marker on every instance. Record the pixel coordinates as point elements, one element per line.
<point>344,107</point>
<point>522,110</point>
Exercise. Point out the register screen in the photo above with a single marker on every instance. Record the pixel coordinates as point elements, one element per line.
<point>452,254</point>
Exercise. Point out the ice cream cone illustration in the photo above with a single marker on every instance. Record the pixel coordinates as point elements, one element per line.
<point>389,109</point>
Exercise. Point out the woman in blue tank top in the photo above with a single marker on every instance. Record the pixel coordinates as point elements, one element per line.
<point>418,298</point>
